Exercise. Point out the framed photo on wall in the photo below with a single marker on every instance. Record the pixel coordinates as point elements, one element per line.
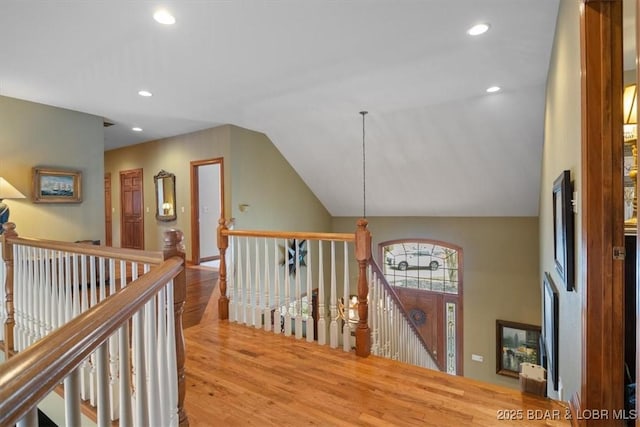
<point>551,314</point>
<point>57,186</point>
<point>516,343</point>
<point>563,247</point>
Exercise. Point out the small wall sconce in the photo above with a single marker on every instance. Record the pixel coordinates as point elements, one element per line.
<point>243,207</point>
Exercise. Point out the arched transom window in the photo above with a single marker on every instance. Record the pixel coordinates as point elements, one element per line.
<point>422,264</point>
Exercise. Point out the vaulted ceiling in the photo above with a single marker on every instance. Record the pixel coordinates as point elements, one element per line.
<point>437,144</point>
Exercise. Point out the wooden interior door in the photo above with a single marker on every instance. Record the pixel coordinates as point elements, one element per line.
<point>108,226</point>
<point>132,215</point>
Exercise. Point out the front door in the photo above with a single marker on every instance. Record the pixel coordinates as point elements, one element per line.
<point>426,310</point>
<point>132,216</point>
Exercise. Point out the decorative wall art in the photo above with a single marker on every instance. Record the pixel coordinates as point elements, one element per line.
<point>57,186</point>
<point>550,328</point>
<point>516,343</point>
<point>563,247</point>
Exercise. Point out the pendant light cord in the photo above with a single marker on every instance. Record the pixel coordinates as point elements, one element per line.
<point>364,171</point>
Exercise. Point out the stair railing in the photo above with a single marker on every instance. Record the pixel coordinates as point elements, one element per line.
<point>270,280</point>
<point>394,335</point>
<point>54,283</point>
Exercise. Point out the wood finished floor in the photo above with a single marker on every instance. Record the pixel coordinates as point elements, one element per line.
<point>242,376</point>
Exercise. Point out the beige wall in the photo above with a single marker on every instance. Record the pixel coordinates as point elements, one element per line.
<point>278,199</point>
<point>500,275</point>
<point>562,151</point>
<point>173,155</point>
<point>255,173</point>
<point>34,134</point>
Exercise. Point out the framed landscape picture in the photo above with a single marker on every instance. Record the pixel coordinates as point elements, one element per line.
<point>57,186</point>
<point>516,343</point>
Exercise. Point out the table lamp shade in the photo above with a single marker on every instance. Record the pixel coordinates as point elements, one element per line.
<point>7,191</point>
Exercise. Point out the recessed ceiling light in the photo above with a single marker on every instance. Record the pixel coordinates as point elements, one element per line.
<point>493,89</point>
<point>144,93</point>
<point>164,17</point>
<point>478,29</point>
<point>136,129</point>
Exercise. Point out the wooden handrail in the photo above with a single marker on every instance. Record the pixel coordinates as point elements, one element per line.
<point>132,255</point>
<point>396,299</point>
<point>30,375</point>
<point>223,243</point>
<point>300,235</point>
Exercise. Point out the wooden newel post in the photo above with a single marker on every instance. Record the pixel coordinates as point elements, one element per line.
<point>223,244</point>
<point>9,230</point>
<point>174,246</point>
<point>363,255</point>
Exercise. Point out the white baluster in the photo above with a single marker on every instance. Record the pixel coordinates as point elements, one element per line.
<point>287,291</point>
<point>68,291</point>
<point>277,326</point>
<point>266,314</point>
<point>93,300</point>
<point>102,282</point>
<point>257,315</point>
<point>163,380</point>
<point>152,362</point>
<point>231,279</point>
<point>248,307</point>
<point>241,297</point>
<point>333,326</point>
<point>124,404</point>
<point>298,302</point>
<point>72,399</point>
<point>309,316</point>
<point>62,291</point>
<point>29,297</point>
<point>322,322</point>
<point>172,369</point>
<point>141,414</point>
<point>102,373</point>
<point>346,327</point>
<point>41,291</point>
<point>76,286</point>
<point>114,379</point>
<point>30,419</point>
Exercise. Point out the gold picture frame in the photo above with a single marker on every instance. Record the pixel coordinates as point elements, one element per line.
<point>57,185</point>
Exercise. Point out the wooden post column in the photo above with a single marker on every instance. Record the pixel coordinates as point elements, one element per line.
<point>174,247</point>
<point>7,256</point>
<point>602,211</point>
<point>223,244</point>
<point>363,255</point>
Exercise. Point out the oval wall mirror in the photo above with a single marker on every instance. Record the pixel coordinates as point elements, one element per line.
<point>165,196</point>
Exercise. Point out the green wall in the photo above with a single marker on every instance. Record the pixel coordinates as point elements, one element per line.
<point>278,198</point>
<point>562,151</point>
<point>34,134</point>
<point>500,275</point>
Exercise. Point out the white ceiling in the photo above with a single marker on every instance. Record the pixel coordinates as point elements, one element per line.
<point>300,71</point>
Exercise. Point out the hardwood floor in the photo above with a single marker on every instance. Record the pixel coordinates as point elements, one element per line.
<point>200,285</point>
<point>241,376</point>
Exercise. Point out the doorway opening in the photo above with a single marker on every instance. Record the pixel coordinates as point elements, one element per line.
<point>207,198</point>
